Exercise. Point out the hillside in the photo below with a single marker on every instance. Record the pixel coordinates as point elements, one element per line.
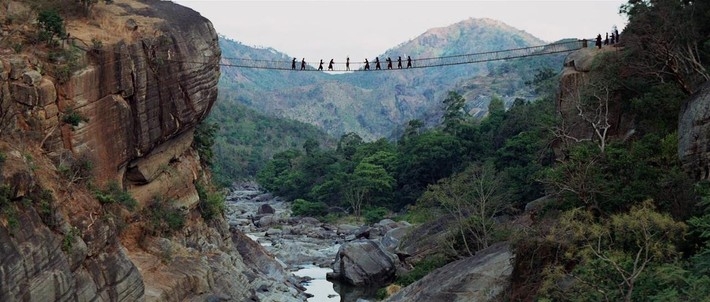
<point>374,104</point>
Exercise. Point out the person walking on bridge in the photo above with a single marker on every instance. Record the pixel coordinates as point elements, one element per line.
<point>399,62</point>
<point>409,61</point>
<point>377,63</point>
<point>293,64</point>
<point>598,44</point>
<point>303,64</point>
<point>347,63</point>
<point>367,65</point>
<point>320,67</point>
<point>330,65</point>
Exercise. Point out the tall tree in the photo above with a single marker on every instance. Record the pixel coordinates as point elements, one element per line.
<point>473,197</point>
<point>668,40</point>
<point>368,179</point>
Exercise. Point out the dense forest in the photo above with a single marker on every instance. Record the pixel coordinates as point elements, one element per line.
<point>243,140</point>
<point>618,218</point>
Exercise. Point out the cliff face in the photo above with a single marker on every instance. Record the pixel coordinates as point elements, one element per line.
<point>693,138</point>
<point>584,102</point>
<point>124,114</point>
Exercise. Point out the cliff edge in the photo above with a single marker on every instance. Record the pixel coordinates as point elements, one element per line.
<point>99,177</point>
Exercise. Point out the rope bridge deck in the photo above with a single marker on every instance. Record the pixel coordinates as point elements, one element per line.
<point>560,47</point>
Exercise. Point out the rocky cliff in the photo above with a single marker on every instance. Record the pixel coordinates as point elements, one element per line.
<point>111,109</point>
<point>692,134</point>
<point>588,110</point>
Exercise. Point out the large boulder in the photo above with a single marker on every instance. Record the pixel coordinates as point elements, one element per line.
<point>482,277</point>
<point>364,262</point>
<point>390,241</point>
<point>424,239</point>
<point>265,209</point>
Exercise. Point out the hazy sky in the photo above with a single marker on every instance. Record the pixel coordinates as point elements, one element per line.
<point>364,29</point>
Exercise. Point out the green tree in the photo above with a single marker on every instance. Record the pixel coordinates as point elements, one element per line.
<point>473,197</point>
<point>348,145</point>
<point>614,255</point>
<point>423,160</point>
<point>667,40</point>
<point>454,113</point>
<point>51,24</point>
<point>204,140</point>
<point>368,179</point>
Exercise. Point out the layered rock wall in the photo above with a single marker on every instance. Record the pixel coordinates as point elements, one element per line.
<point>126,111</point>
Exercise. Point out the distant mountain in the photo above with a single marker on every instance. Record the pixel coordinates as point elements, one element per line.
<point>374,104</point>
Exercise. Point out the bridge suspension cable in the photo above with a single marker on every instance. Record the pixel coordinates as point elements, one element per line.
<point>560,47</point>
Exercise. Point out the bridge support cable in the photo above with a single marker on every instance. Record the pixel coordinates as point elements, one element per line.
<point>507,54</point>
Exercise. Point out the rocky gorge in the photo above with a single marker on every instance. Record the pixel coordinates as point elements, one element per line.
<point>358,258</point>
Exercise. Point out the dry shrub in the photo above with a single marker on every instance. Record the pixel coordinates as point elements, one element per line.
<point>392,289</point>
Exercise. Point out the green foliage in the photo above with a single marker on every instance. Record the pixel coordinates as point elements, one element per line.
<point>73,118</point>
<point>7,208</point>
<point>473,197</point>
<point>246,140</point>
<point>65,62</point>
<point>454,113</point>
<point>204,140</point>
<point>302,207</point>
<point>162,218</point>
<point>114,194</point>
<point>667,42</point>
<point>69,239</point>
<point>212,203</point>
<point>615,256</point>
<point>76,169</point>
<point>51,25</point>
<point>422,269</point>
<point>367,180</point>
<point>375,214</point>
<point>45,206</point>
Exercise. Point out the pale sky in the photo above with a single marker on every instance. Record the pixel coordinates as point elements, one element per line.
<point>367,28</point>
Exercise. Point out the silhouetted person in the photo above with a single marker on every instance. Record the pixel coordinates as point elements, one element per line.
<point>330,65</point>
<point>409,61</point>
<point>606,41</point>
<point>399,63</point>
<point>598,44</point>
<point>303,64</point>
<point>367,65</point>
<point>616,31</point>
<point>613,38</point>
<point>320,66</point>
<point>347,63</point>
<point>377,63</point>
<point>389,63</point>
<point>293,64</point>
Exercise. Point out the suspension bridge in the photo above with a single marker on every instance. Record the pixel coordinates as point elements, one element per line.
<point>560,47</point>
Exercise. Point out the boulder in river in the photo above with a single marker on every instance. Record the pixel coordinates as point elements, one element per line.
<point>265,209</point>
<point>482,277</point>
<point>364,262</point>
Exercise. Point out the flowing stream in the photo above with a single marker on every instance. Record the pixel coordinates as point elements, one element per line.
<point>321,289</point>
<point>306,249</point>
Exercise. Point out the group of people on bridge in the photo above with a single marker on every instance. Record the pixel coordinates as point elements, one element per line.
<point>614,38</point>
<point>347,64</point>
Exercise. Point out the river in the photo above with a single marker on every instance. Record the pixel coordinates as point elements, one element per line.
<point>321,289</point>
<point>300,246</point>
